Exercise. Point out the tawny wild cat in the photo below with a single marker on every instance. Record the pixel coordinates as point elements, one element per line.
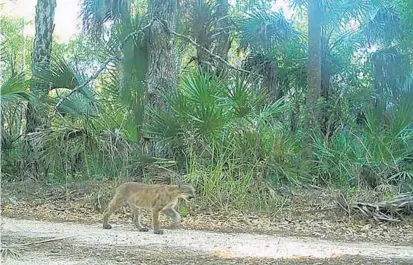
<point>156,197</point>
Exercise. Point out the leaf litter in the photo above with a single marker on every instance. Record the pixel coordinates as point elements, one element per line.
<point>303,217</point>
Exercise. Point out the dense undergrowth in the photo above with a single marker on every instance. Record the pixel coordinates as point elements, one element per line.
<point>230,141</point>
<point>235,127</point>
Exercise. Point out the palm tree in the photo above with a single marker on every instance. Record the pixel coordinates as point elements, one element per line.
<point>264,36</point>
<point>346,27</point>
<point>209,25</point>
<point>391,65</point>
<point>45,10</point>
<point>159,49</point>
<point>313,73</point>
<point>14,91</point>
<point>223,43</point>
<point>161,75</point>
<point>201,26</point>
<point>95,13</point>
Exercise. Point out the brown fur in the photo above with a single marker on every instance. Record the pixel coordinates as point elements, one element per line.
<point>156,197</point>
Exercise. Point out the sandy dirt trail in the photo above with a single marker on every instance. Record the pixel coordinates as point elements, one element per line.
<point>205,243</point>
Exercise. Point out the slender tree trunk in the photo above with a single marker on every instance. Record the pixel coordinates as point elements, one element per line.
<point>203,58</point>
<point>269,81</point>
<point>326,109</point>
<point>223,44</point>
<point>161,75</point>
<point>294,117</point>
<point>36,116</point>
<point>313,75</point>
<point>200,27</point>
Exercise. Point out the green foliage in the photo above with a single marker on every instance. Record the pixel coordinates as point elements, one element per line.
<point>14,93</point>
<point>124,88</point>
<point>385,27</point>
<point>340,12</point>
<point>62,78</point>
<point>264,30</point>
<point>93,137</point>
<point>228,136</point>
<point>95,13</point>
<point>15,47</point>
<point>202,22</point>
<point>14,88</point>
<point>377,154</point>
<point>238,138</point>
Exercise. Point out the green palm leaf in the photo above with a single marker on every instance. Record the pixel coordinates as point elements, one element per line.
<point>339,12</point>
<point>385,27</point>
<point>62,78</point>
<point>402,113</point>
<point>14,88</point>
<point>96,13</point>
<point>244,98</point>
<point>124,85</point>
<point>263,30</point>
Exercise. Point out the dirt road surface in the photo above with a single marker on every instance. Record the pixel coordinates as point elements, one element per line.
<point>90,244</point>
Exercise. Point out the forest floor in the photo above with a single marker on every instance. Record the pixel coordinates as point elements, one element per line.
<point>90,244</point>
<point>307,233</point>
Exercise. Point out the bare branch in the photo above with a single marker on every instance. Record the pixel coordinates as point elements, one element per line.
<point>135,33</point>
<point>119,56</point>
<point>103,66</point>
<point>391,210</point>
<point>37,242</point>
<point>90,79</point>
<point>189,39</point>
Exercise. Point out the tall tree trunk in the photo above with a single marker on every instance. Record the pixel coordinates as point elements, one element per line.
<point>161,74</point>
<point>326,110</point>
<point>223,44</point>
<point>35,116</point>
<point>313,75</point>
